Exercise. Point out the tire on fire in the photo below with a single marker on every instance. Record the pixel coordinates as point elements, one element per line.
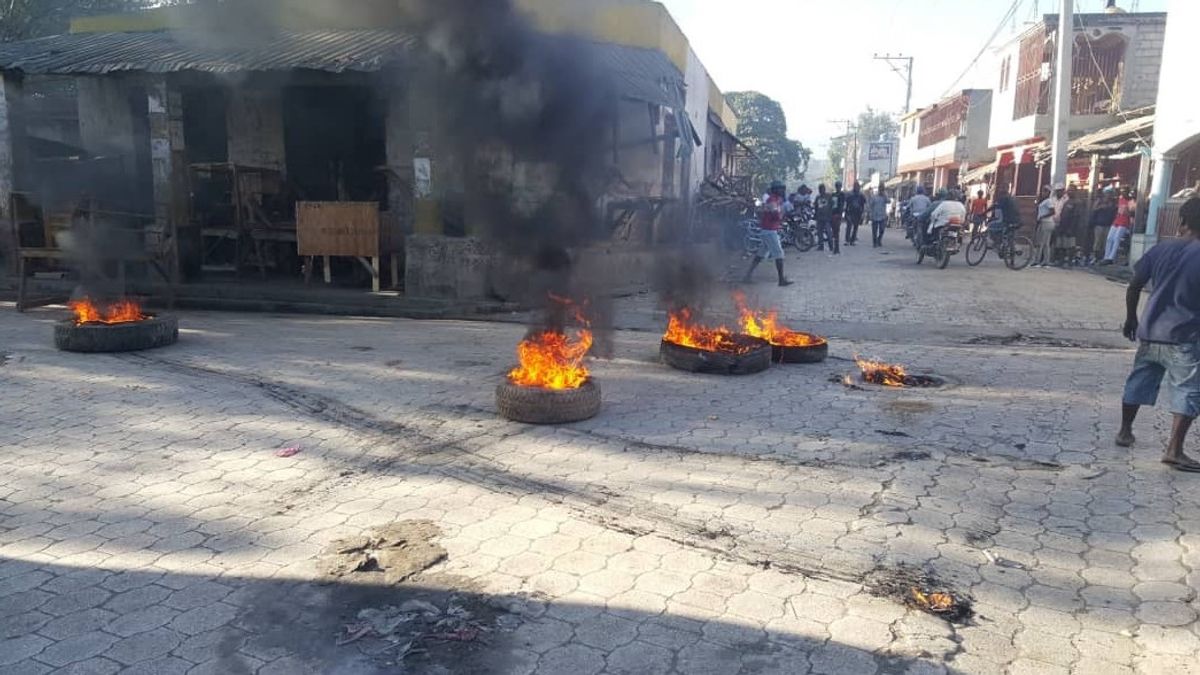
<point>535,405</point>
<point>155,331</point>
<point>806,354</point>
<point>692,360</point>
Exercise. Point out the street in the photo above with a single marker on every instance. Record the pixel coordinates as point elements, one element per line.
<point>175,511</point>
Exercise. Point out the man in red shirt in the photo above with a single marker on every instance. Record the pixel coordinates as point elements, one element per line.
<point>979,208</point>
<point>1120,227</point>
<point>771,222</point>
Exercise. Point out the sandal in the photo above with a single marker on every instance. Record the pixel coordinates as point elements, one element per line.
<point>1187,465</point>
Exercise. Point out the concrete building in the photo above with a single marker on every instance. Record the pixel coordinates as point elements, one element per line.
<point>1115,69</point>
<point>1176,150</point>
<point>939,142</point>
<point>325,106</point>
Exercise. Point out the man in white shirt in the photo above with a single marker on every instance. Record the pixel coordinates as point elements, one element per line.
<point>1046,210</point>
<point>950,211</point>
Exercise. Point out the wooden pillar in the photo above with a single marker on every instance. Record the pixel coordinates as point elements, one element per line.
<point>169,169</point>
<point>12,145</point>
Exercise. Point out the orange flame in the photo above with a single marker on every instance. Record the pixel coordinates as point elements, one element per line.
<point>766,325</point>
<point>683,332</point>
<point>121,311</point>
<point>934,602</point>
<point>878,372</point>
<point>552,359</point>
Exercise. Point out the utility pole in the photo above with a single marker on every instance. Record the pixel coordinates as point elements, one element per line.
<point>847,159</point>
<point>1062,97</point>
<point>906,75</point>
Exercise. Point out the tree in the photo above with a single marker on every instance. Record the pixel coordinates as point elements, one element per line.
<point>762,126</point>
<point>871,125</point>
<point>24,19</point>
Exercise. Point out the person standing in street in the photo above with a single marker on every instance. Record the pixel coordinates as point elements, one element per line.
<point>771,222</point>
<point>877,205</point>
<point>823,213</point>
<point>1121,225</point>
<point>1168,337</point>
<point>978,210</point>
<point>1103,213</point>
<point>856,206</point>
<point>1045,229</point>
<point>837,203</point>
<point>1065,212</point>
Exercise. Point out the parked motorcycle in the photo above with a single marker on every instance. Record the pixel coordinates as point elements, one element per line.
<point>946,243</point>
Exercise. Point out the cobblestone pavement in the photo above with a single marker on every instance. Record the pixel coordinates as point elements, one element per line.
<point>765,524</point>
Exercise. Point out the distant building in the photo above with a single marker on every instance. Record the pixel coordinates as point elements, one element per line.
<point>942,141</point>
<point>1117,58</point>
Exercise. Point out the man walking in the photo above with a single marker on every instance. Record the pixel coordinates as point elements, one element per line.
<point>770,223</point>
<point>1168,335</point>
<point>856,205</point>
<point>837,203</point>
<point>823,213</point>
<point>878,207</point>
<point>978,209</point>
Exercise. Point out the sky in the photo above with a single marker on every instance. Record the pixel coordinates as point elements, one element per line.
<point>815,56</point>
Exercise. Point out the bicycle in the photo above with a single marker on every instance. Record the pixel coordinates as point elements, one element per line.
<point>1016,251</point>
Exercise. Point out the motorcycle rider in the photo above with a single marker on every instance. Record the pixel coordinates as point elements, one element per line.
<point>949,211</point>
<point>774,206</point>
<point>918,207</point>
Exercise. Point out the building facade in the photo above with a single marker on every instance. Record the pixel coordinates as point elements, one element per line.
<point>1115,69</point>
<point>943,141</point>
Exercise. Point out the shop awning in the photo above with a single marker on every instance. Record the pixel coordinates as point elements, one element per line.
<point>978,174</point>
<point>1115,142</point>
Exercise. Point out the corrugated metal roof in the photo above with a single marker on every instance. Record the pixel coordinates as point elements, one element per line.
<point>173,51</point>
<point>642,74</point>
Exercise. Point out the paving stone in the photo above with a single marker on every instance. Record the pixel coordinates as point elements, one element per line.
<point>21,647</point>
<point>77,648</point>
<point>73,624</point>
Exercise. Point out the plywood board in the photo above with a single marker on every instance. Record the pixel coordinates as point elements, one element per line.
<point>337,228</point>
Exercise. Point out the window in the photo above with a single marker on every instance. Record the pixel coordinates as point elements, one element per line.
<point>1033,75</point>
<point>1096,74</point>
<point>943,122</point>
<point>1005,72</point>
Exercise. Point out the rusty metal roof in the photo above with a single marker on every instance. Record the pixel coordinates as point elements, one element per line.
<point>173,51</point>
<point>641,74</point>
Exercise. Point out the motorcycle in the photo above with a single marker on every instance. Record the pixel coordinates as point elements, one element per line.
<point>946,243</point>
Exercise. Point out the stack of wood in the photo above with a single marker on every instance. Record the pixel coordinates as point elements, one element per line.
<point>725,193</point>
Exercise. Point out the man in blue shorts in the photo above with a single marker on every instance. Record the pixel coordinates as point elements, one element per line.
<point>1169,336</point>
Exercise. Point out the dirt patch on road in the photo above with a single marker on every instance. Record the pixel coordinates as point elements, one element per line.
<point>392,553</point>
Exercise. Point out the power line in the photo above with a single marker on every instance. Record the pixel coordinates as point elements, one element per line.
<point>1007,15</point>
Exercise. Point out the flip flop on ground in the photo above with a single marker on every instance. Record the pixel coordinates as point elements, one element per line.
<point>1182,464</point>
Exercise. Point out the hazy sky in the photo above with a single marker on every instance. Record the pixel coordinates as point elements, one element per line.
<point>814,56</point>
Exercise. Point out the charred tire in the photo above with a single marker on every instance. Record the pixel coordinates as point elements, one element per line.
<point>534,405</point>
<point>692,360</point>
<point>157,331</point>
<point>811,354</point>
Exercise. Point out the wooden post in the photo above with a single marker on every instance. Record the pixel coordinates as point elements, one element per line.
<point>169,164</point>
<point>12,129</point>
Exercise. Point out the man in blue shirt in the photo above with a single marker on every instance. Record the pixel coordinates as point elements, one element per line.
<point>1169,336</point>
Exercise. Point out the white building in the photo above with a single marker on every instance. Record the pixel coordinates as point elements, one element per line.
<point>1177,123</point>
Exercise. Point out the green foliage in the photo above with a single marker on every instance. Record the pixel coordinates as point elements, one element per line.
<point>762,126</point>
<point>870,125</point>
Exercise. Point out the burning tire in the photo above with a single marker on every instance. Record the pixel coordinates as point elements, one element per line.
<point>151,332</point>
<point>755,358</point>
<point>536,405</point>
<point>814,353</point>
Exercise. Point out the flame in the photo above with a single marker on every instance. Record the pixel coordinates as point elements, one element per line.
<point>683,332</point>
<point>766,325</point>
<point>878,372</point>
<point>121,311</point>
<point>934,602</point>
<point>553,359</point>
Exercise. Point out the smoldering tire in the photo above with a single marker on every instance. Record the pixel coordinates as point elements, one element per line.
<point>155,331</point>
<point>534,405</point>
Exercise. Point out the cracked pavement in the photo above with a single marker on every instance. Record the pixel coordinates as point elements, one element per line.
<point>699,524</point>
